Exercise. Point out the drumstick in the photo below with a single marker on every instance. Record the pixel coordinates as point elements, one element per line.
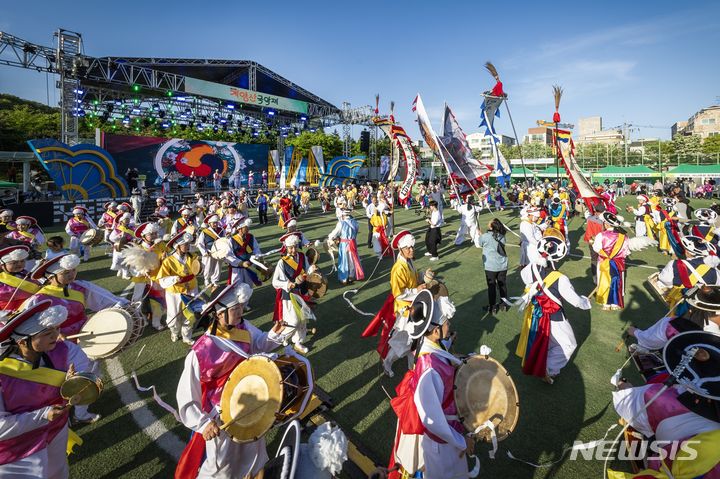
<point>80,335</point>
<point>590,295</point>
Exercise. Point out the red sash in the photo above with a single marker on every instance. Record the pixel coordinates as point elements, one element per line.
<point>355,258</point>
<point>386,319</point>
<point>536,359</point>
<point>193,455</point>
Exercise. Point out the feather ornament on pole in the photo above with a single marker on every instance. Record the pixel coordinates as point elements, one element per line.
<point>557,93</point>
<point>392,111</point>
<point>377,104</point>
<point>493,71</point>
<point>498,88</point>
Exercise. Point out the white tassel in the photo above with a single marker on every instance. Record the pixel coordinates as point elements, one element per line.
<point>138,259</point>
<point>639,243</point>
<point>328,448</point>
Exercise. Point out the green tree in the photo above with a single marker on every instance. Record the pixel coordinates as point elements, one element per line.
<point>331,144</point>
<point>711,145</point>
<point>686,146</point>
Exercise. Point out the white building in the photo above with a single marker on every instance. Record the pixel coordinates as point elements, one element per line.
<point>478,141</point>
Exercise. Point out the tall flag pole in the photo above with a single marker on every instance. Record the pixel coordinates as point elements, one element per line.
<point>499,91</point>
<point>490,109</point>
<point>565,155</point>
<point>557,93</point>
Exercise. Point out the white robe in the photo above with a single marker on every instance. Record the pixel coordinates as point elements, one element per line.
<point>468,224</point>
<point>225,458</point>
<point>289,315</point>
<point>562,339</point>
<point>530,234</point>
<point>441,461</point>
<point>630,405</point>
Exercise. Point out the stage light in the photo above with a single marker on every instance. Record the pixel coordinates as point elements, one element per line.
<point>230,106</point>
<point>200,127</point>
<point>223,121</point>
<point>78,91</point>
<point>169,93</point>
<point>155,107</point>
<point>126,119</point>
<point>312,130</point>
<point>297,132</point>
<point>303,118</point>
<point>135,111</point>
<point>215,128</point>
<point>230,131</point>
<point>271,113</point>
<point>181,98</point>
<point>118,102</point>
<point>165,125</point>
<point>188,111</point>
<point>136,87</point>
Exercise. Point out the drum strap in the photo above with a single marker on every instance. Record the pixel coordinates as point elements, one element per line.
<point>18,283</point>
<point>21,370</point>
<point>58,292</point>
<point>27,234</point>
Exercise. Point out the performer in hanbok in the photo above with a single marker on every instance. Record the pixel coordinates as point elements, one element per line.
<point>644,223</point>
<point>286,206</point>
<point>123,234</point>
<point>16,286</point>
<point>683,419</point>
<point>28,231</point>
<point>244,247</point>
<point>210,231</point>
<point>228,341</point>
<point>107,220</point>
<point>146,289</point>
<point>391,321</point>
<point>698,268</point>
<point>530,231</point>
<point>379,223</point>
<point>429,438</point>
<point>701,314</point>
<point>292,227</point>
<point>62,288</point>
<point>349,267</point>
<point>6,219</point>
<point>706,228</point>
<point>75,227</point>
<point>176,277</point>
<point>547,341</point>
<point>468,222</point>
<point>34,434</point>
<point>668,229</point>
<point>291,297</point>
<point>612,249</point>
<point>183,222</point>
<point>559,211</point>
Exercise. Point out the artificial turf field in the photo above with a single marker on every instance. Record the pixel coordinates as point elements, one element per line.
<point>577,407</point>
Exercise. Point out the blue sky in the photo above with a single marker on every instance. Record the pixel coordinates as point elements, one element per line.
<point>647,63</point>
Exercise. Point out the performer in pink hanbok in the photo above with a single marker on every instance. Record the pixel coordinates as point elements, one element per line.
<point>34,434</point>
<point>228,341</point>
<point>75,227</point>
<point>76,296</point>
<point>15,283</point>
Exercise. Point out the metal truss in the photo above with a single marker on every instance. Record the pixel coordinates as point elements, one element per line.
<point>104,80</point>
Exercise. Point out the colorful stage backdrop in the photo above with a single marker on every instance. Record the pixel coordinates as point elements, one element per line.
<point>80,172</point>
<point>178,158</point>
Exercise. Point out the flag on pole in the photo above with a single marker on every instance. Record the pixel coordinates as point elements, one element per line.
<point>490,109</point>
<point>565,146</point>
<point>402,151</point>
<point>467,172</point>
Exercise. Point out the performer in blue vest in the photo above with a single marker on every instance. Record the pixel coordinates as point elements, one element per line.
<point>349,267</point>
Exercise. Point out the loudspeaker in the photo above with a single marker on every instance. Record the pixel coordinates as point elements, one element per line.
<point>365,141</point>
